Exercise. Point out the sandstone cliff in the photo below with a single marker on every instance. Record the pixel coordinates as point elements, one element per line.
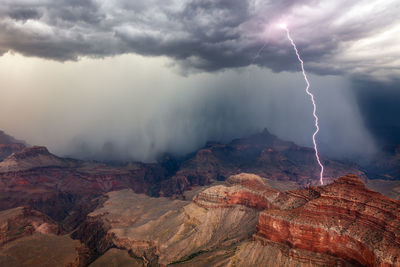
<point>245,221</point>
<point>347,220</point>
<point>269,216</point>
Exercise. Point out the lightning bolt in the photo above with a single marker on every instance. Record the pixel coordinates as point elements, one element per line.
<point>321,175</point>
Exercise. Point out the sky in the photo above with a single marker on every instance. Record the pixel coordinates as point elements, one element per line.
<point>119,79</point>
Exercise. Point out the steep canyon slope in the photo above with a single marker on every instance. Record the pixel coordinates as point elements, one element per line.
<point>246,222</point>
<point>251,202</point>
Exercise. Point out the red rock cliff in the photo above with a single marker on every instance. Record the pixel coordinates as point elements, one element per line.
<point>347,220</point>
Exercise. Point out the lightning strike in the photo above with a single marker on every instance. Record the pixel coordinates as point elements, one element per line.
<point>321,176</point>
<point>283,26</point>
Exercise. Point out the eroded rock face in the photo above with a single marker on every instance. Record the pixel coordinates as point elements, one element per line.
<point>252,191</point>
<point>263,154</point>
<point>347,220</point>
<point>247,222</point>
<point>21,221</point>
<point>243,189</point>
<point>29,158</point>
<point>7,149</point>
<point>261,252</point>
<point>9,145</point>
<point>161,231</point>
<point>64,189</point>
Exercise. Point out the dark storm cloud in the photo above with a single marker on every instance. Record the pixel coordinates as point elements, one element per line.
<point>349,38</point>
<point>199,34</point>
<point>24,14</point>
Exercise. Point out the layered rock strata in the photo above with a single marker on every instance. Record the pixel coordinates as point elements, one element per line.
<point>263,154</point>
<point>161,231</point>
<point>247,222</point>
<point>19,222</point>
<point>347,220</point>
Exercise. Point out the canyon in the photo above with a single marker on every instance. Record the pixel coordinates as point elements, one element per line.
<point>251,202</point>
<point>343,224</point>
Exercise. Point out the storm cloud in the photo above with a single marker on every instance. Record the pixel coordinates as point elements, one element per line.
<point>335,37</point>
<point>121,79</point>
<point>133,107</point>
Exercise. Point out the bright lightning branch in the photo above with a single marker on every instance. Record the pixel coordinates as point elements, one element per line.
<point>321,176</point>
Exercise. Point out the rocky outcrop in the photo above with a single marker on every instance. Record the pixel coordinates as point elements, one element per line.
<point>31,157</point>
<point>61,187</point>
<point>243,189</point>
<point>9,145</point>
<point>21,221</point>
<point>347,220</point>
<point>248,220</point>
<point>161,231</point>
<point>245,221</point>
<point>65,189</point>
<point>261,252</point>
<point>252,191</point>
<point>7,149</point>
<point>96,241</point>
<point>263,154</point>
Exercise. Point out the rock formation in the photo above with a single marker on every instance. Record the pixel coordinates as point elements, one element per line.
<point>251,202</point>
<point>18,222</point>
<point>346,220</point>
<point>30,158</point>
<point>247,222</point>
<point>263,154</point>
<point>9,145</point>
<point>64,188</point>
<point>161,231</point>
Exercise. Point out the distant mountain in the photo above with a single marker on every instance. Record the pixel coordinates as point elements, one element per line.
<point>30,158</point>
<point>9,145</point>
<point>386,164</point>
<point>255,200</point>
<point>263,154</point>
